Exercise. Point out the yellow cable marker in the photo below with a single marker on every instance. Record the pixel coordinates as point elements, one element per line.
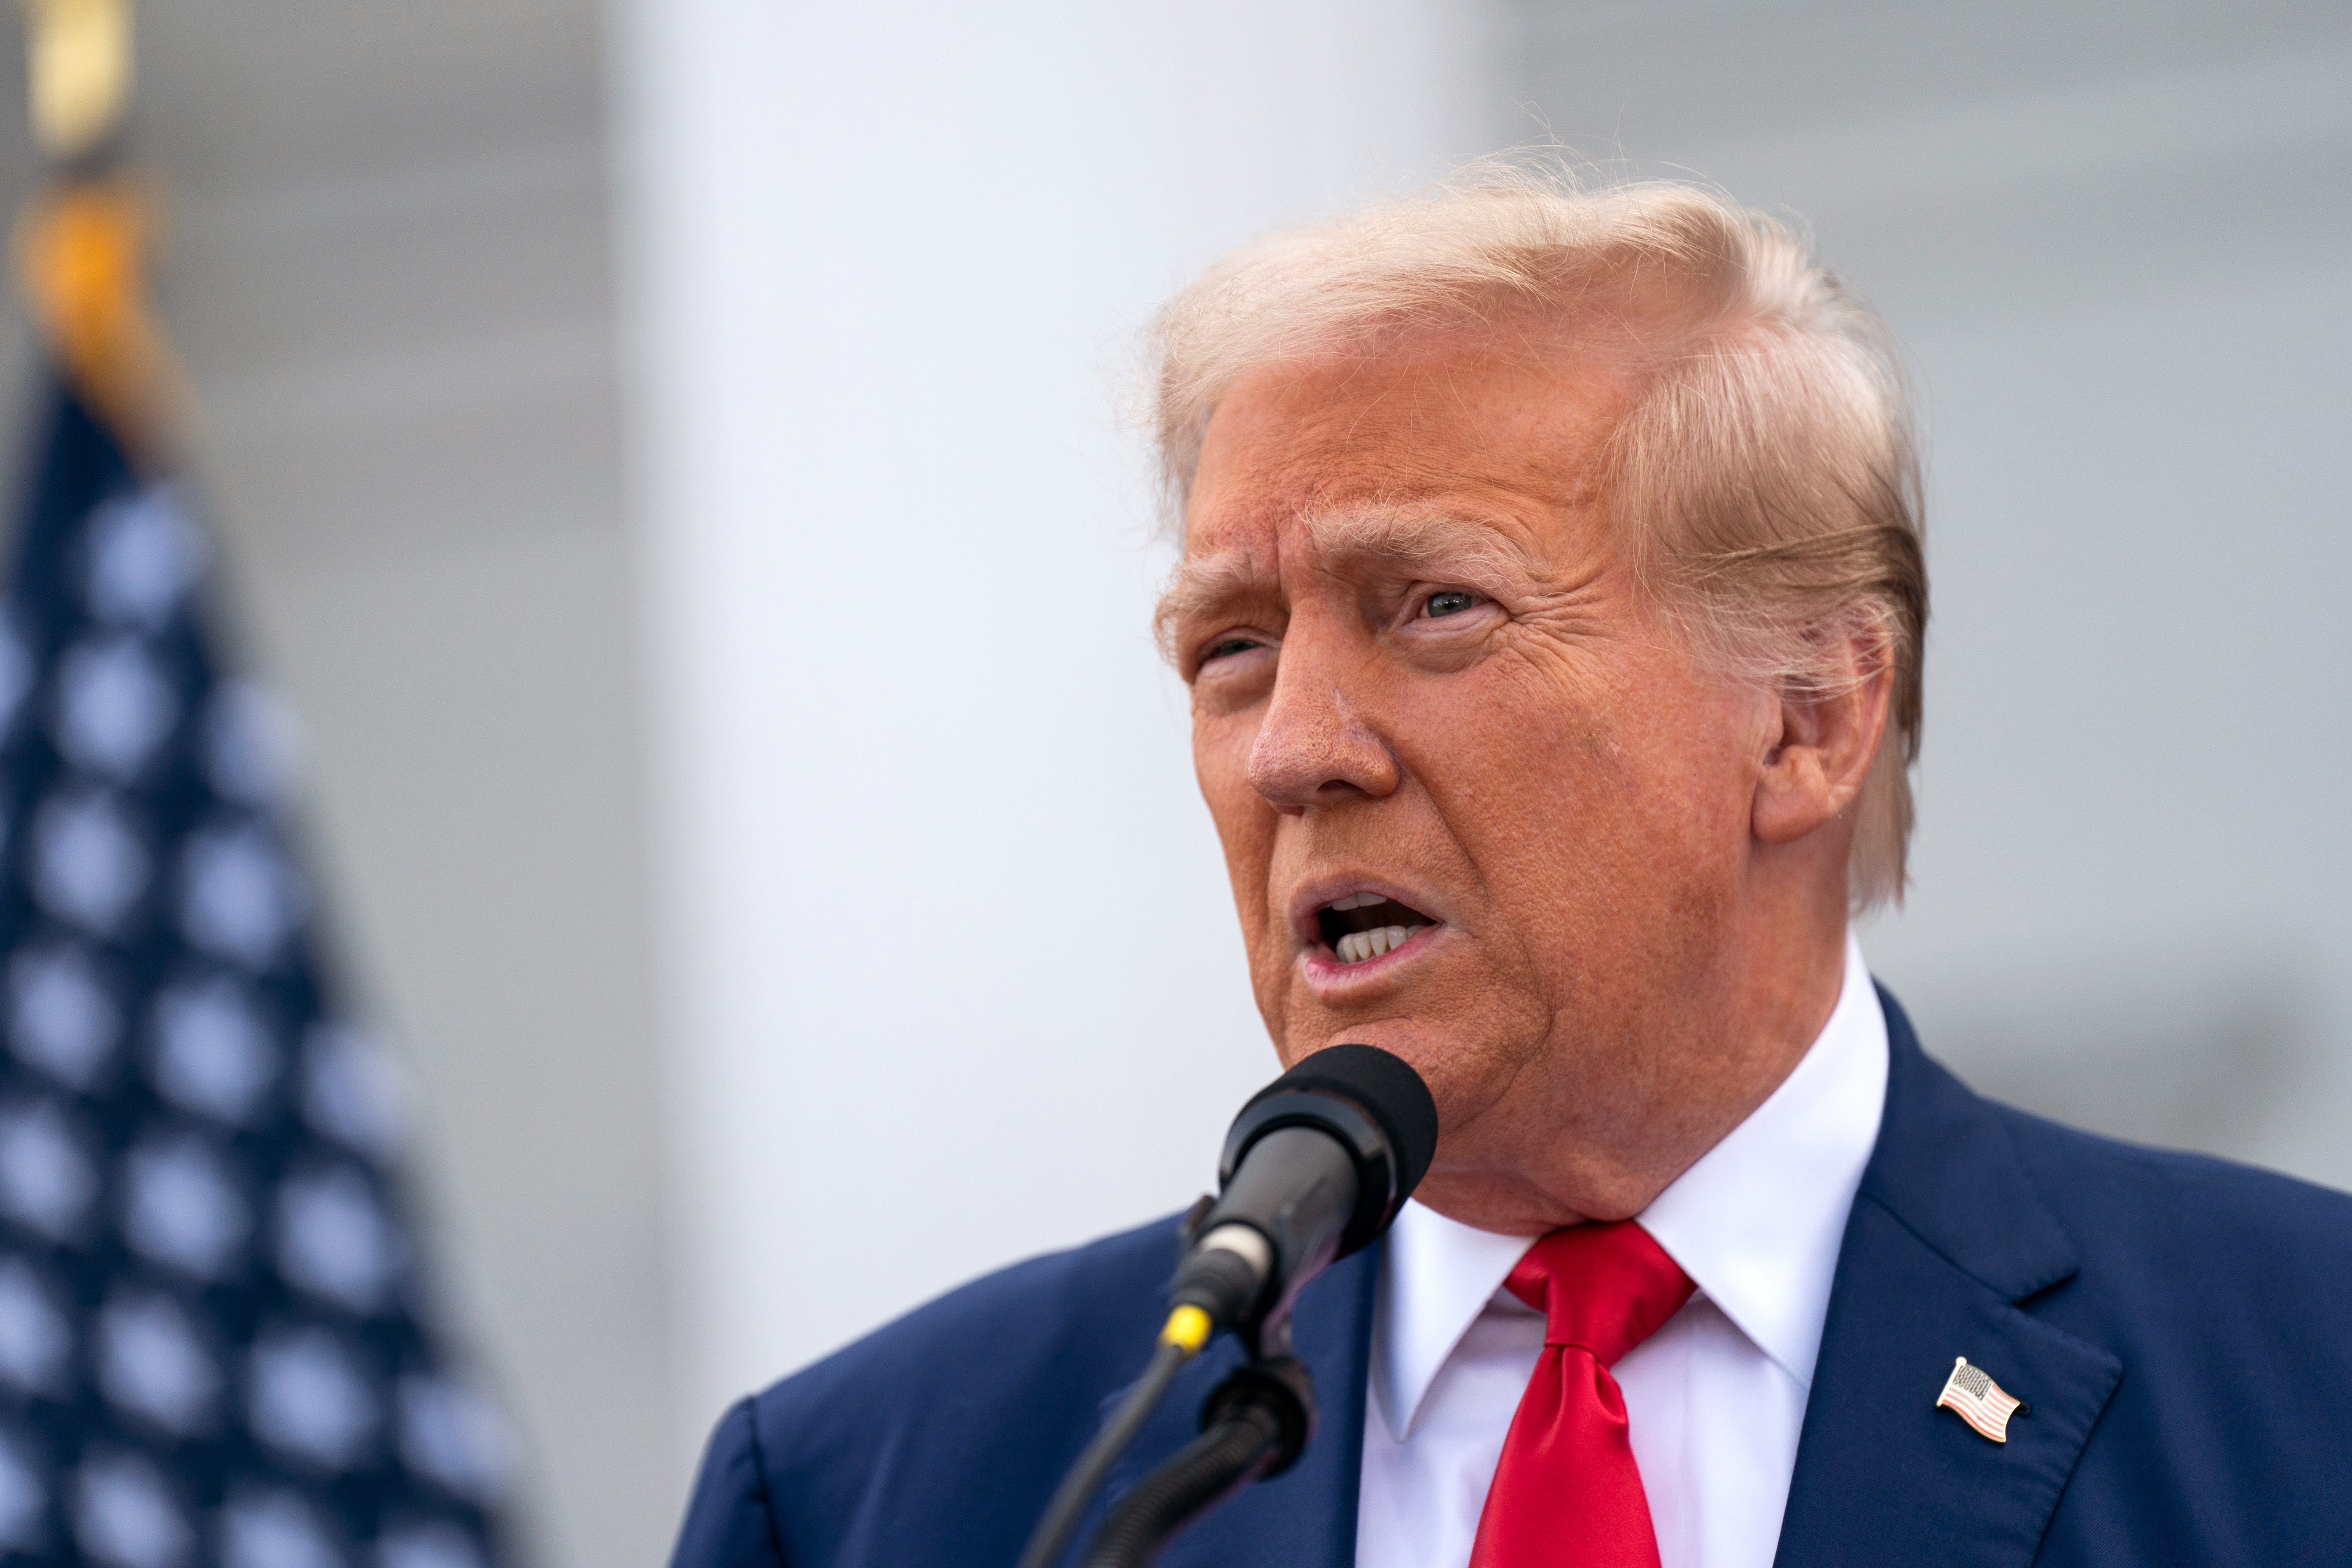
<point>1188,1327</point>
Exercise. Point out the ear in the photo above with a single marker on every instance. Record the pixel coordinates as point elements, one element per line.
<point>1814,768</point>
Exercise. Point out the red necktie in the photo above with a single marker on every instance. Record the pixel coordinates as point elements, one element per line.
<point>1567,1493</point>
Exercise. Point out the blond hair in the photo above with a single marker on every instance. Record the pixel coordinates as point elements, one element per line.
<point>1765,474</point>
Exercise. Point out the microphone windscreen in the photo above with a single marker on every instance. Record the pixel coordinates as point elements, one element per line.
<point>1387,1088</point>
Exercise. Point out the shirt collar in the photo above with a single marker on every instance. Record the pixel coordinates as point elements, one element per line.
<point>1756,1223</point>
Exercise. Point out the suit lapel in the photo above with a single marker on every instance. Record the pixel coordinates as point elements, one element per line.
<point>1304,1518</point>
<point>1946,1243</point>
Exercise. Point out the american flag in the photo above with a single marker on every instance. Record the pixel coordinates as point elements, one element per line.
<point>216,1341</point>
<point>1978,1400</point>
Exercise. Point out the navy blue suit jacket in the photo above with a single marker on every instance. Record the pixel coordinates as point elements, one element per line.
<point>2181,1328</point>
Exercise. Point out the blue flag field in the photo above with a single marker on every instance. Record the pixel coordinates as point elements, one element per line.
<point>217,1344</point>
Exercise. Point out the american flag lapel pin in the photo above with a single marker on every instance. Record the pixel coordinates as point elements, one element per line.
<point>1978,1400</point>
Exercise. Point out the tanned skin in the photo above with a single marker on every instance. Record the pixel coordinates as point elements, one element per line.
<point>1420,665</point>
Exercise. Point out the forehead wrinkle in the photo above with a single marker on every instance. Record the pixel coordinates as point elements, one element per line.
<point>1372,405</point>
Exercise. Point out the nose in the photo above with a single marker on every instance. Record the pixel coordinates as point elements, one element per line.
<point>1318,745</point>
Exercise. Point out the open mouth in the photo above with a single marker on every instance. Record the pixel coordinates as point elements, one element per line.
<point>1362,926</point>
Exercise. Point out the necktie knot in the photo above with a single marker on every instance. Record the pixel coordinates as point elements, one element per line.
<point>1602,1288</point>
<point>1566,1489</point>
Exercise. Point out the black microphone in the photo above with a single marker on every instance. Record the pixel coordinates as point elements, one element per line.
<point>1316,1167</point>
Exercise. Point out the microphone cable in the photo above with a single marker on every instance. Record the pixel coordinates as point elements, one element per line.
<point>1257,1423</point>
<point>1187,1329</point>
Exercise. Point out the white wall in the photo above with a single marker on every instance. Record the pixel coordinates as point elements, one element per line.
<point>951,964</point>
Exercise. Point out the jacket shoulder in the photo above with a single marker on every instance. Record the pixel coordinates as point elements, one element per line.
<point>2226,1294</point>
<point>2193,1216</point>
<point>984,1346</point>
<point>939,1437</point>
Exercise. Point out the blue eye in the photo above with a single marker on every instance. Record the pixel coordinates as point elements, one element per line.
<point>1230,646</point>
<point>1452,602</point>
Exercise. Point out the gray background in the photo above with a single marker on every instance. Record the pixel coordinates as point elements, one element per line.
<point>2116,239</point>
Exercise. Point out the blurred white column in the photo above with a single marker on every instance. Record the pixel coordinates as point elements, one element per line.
<point>950,963</point>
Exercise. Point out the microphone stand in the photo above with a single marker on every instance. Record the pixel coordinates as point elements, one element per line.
<point>1253,1427</point>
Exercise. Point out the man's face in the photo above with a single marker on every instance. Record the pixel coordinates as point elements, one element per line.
<point>1480,804</point>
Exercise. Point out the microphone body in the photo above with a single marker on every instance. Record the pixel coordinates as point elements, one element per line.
<point>1316,1167</point>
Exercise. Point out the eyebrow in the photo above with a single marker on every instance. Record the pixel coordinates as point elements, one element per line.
<point>1202,588</point>
<point>1419,539</point>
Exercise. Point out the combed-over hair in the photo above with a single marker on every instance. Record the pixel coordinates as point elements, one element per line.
<point>1765,475</point>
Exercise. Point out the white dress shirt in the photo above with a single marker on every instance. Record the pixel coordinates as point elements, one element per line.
<point>1714,1400</point>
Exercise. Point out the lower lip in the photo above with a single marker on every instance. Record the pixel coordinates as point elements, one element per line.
<point>1326,973</point>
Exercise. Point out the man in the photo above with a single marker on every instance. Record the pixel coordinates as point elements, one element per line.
<point>1552,601</point>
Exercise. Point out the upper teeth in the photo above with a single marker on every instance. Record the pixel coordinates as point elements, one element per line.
<point>1359,945</point>
<point>1359,901</point>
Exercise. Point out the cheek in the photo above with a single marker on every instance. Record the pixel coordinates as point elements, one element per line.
<point>1586,794</point>
<point>1221,752</point>
<point>1221,748</point>
<point>1513,747</point>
